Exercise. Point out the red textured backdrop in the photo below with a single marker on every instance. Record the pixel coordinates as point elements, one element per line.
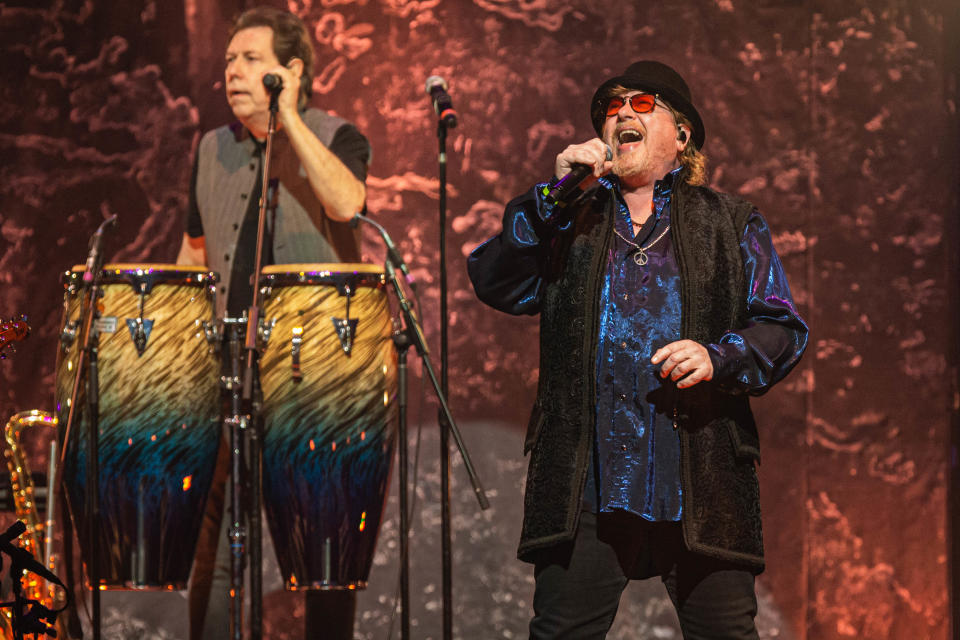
<point>837,119</point>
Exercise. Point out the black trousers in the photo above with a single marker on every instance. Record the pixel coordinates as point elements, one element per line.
<point>578,586</point>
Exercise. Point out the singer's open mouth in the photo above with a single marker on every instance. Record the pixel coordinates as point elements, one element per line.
<point>628,136</point>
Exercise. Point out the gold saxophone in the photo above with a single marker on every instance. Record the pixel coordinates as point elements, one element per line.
<point>37,539</point>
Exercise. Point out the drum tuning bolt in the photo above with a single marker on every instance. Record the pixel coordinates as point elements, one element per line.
<point>265,329</point>
<point>69,334</point>
<point>209,332</point>
<point>295,341</point>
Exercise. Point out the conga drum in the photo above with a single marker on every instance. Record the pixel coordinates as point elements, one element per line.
<point>159,420</point>
<point>328,377</point>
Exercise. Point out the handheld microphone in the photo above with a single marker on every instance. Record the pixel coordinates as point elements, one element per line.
<point>272,82</point>
<point>566,187</point>
<point>392,254</point>
<point>96,243</point>
<point>442,104</point>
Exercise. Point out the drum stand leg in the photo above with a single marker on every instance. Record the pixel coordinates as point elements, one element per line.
<point>255,542</point>
<point>237,535</point>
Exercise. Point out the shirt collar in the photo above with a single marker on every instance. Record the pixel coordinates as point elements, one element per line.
<point>243,136</point>
<point>664,186</point>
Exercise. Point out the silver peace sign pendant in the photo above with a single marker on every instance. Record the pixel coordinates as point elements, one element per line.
<point>640,257</point>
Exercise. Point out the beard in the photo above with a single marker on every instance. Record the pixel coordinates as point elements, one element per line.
<point>632,164</point>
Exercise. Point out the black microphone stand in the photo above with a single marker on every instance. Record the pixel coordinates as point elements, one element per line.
<point>445,530</point>
<point>249,423</point>
<point>39,619</point>
<point>87,359</point>
<point>19,601</point>
<point>401,341</point>
<point>412,334</point>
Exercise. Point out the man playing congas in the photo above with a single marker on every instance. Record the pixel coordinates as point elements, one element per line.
<point>318,166</point>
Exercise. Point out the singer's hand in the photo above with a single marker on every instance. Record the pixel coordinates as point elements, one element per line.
<point>685,361</point>
<point>287,101</point>
<point>592,153</point>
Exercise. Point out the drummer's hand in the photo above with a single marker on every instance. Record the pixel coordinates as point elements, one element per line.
<point>287,102</point>
<point>592,152</point>
<point>193,251</point>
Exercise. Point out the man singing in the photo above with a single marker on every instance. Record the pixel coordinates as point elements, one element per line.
<point>663,306</point>
<point>319,163</point>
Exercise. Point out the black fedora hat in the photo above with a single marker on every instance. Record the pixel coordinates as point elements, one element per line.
<point>655,77</point>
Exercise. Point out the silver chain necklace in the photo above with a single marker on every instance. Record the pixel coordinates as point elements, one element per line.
<point>640,253</point>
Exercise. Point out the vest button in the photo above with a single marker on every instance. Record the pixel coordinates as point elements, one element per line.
<point>243,196</point>
<point>252,166</point>
<point>235,226</point>
<point>226,257</point>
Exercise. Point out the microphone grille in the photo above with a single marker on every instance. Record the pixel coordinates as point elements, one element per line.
<point>436,81</point>
<point>272,81</point>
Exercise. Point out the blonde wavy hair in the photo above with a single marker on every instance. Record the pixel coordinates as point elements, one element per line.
<point>694,162</point>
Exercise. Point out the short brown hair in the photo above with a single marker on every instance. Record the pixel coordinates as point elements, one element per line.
<point>290,40</point>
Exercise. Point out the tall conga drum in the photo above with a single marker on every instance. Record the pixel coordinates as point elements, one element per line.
<point>328,377</point>
<point>159,420</point>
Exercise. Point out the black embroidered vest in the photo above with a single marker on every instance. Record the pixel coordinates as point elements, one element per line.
<point>718,437</point>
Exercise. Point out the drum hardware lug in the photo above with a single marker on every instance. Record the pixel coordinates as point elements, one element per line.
<point>295,341</point>
<point>209,331</point>
<point>344,288</point>
<point>346,329</point>
<point>140,332</point>
<point>139,328</point>
<point>264,330</point>
<point>230,382</point>
<point>237,421</point>
<point>68,334</point>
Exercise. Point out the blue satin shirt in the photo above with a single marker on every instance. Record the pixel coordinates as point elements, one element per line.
<point>636,458</point>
